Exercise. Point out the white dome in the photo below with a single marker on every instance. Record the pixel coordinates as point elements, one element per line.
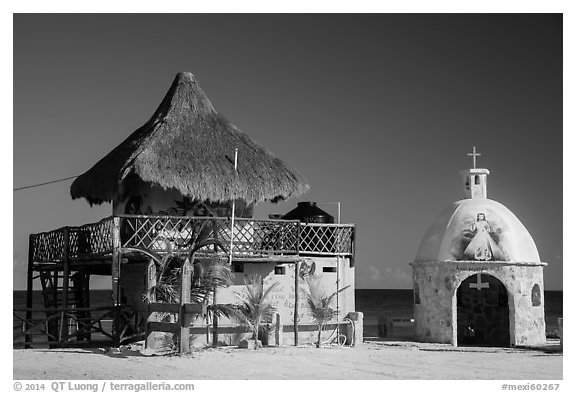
<point>455,234</point>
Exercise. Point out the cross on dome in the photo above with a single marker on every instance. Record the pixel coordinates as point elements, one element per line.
<point>474,155</point>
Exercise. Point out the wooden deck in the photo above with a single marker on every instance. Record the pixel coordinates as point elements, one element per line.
<point>64,259</point>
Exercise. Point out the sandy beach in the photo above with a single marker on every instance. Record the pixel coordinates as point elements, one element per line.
<point>372,360</point>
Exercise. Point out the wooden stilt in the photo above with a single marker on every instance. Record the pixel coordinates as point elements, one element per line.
<point>29,285</point>
<point>116,258</point>
<point>65,286</point>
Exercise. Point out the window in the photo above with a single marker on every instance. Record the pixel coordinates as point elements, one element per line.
<point>536,295</point>
<point>476,179</point>
<point>280,270</point>
<point>237,267</point>
<point>416,294</point>
<point>329,269</point>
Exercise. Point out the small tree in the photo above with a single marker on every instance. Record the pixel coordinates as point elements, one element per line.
<point>319,302</point>
<point>255,307</point>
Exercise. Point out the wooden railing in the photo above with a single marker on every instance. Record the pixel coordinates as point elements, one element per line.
<point>70,326</point>
<point>327,239</point>
<point>158,233</point>
<point>90,239</point>
<point>163,233</point>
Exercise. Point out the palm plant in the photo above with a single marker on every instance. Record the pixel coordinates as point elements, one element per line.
<point>206,276</point>
<point>255,307</point>
<point>319,302</point>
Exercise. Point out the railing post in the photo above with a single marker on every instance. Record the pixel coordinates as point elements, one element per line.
<point>298,236</point>
<point>185,319</point>
<point>29,286</point>
<point>353,247</point>
<point>116,258</point>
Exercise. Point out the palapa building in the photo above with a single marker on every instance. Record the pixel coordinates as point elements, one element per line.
<point>186,168</point>
<point>478,277</point>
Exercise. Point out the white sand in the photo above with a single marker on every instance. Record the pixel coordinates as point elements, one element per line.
<point>371,360</point>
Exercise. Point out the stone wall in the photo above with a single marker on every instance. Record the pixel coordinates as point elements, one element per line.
<point>437,282</point>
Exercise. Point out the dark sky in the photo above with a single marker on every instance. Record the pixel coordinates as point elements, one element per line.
<point>376,111</point>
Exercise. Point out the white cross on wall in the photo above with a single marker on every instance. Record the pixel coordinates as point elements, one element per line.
<point>479,284</point>
<point>474,155</point>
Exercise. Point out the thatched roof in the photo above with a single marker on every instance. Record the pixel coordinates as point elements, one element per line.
<point>189,146</point>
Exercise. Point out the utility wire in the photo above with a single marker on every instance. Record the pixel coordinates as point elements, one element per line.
<point>43,184</point>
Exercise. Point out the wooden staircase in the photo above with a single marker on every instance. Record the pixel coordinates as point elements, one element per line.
<point>65,298</point>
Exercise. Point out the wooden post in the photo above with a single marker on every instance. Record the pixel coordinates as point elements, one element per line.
<point>86,297</point>
<point>151,283</point>
<point>29,287</point>
<point>353,246</point>
<point>214,321</point>
<point>65,284</point>
<point>185,318</point>
<point>296,291</point>
<point>116,258</point>
<point>278,332</point>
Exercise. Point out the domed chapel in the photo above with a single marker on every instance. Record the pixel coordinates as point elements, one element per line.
<point>478,278</point>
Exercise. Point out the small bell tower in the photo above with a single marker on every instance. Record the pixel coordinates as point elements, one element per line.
<point>475,179</point>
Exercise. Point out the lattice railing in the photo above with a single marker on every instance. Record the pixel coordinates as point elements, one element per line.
<point>48,246</point>
<point>161,233</point>
<point>88,239</point>
<point>91,238</point>
<point>327,239</point>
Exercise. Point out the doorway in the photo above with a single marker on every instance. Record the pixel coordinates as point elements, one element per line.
<point>483,315</point>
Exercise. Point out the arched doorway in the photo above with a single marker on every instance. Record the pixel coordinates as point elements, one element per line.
<point>483,312</point>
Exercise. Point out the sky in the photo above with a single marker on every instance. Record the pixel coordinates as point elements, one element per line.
<point>377,111</point>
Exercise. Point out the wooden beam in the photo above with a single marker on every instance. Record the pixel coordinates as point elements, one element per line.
<point>164,307</point>
<point>194,308</point>
<point>167,327</point>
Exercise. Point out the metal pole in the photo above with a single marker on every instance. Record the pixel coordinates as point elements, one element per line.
<point>337,235</point>
<point>233,207</point>
<point>338,281</point>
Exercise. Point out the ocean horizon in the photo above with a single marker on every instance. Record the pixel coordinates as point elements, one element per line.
<point>396,303</point>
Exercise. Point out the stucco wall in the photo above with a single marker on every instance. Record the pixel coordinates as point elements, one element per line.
<point>435,316</point>
<point>283,297</point>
